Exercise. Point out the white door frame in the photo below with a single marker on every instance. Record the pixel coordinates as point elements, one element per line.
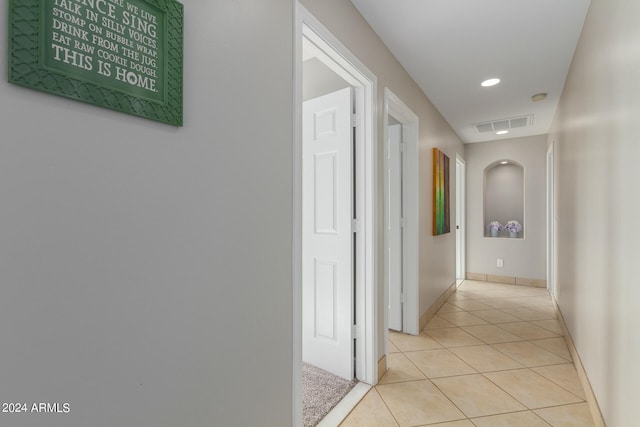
<point>344,63</point>
<point>395,108</point>
<point>551,219</point>
<point>461,238</point>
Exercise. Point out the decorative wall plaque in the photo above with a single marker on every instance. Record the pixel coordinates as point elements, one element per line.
<point>120,54</point>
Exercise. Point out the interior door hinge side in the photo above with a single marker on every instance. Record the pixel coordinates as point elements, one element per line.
<point>355,332</point>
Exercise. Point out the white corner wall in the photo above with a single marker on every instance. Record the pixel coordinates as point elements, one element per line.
<point>146,270</point>
<point>436,254</point>
<point>523,257</point>
<point>596,148</point>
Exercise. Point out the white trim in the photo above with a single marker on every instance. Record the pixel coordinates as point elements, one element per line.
<point>410,128</point>
<point>551,273</point>
<point>345,406</point>
<point>344,62</point>
<point>296,255</point>
<point>461,210</point>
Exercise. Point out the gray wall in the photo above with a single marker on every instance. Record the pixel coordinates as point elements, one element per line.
<point>146,270</point>
<point>437,254</point>
<point>597,147</point>
<point>318,80</point>
<point>523,257</point>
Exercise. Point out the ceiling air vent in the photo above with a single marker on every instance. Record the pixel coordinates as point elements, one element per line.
<point>504,124</point>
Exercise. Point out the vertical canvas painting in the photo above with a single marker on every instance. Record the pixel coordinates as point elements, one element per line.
<point>441,213</point>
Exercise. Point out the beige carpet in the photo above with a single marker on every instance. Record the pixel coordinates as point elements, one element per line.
<point>321,391</point>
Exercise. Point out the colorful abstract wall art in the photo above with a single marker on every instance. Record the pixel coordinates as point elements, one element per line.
<point>441,211</point>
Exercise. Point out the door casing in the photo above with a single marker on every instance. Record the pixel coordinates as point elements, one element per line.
<point>461,270</point>
<point>551,222</point>
<point>393,227</point>
<point>395,108</point>
<point>335,55</point>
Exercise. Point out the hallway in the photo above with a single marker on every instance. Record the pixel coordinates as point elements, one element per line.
<point>493,356</point>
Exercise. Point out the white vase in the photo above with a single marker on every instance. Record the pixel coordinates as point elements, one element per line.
<point>494,233</point>
<point>513,234</point>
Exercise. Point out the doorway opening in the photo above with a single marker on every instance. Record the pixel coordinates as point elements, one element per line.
<point>314,41</point>
<point>401,216</point>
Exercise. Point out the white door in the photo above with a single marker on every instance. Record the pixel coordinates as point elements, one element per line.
<point>327,237</point>
<point>394,227</point>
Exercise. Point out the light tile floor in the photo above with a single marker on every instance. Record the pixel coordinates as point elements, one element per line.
<point>493,356</point>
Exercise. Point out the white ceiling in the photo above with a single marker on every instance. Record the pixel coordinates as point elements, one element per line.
<point>450,46</point>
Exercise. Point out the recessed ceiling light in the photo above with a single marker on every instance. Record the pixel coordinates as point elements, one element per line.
<point>502,132</point>
<point>490,82</point>
<point>539,97</point>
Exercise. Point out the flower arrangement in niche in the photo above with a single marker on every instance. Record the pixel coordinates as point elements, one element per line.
<point>495,226</point>
<point>513,226</point>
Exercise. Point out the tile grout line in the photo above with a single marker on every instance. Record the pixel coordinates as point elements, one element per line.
<point>483,342</point>
<point>386,405</point>
<point>522,403</point>
<point>516,412</point>
<point>524,367</point>
<point>438,388</point>
<point>531,368</point>
<point>477,372</point>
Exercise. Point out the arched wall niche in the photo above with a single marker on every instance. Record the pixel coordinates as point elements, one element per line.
<point>504,195</point>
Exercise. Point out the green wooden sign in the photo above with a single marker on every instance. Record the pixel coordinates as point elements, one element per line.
<point>120,54</point>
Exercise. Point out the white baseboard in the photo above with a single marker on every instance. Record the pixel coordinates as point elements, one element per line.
<point>596,414</point>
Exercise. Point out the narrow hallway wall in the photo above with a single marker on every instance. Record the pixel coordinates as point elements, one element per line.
<point>146,270</point>
<point>596,144</point>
